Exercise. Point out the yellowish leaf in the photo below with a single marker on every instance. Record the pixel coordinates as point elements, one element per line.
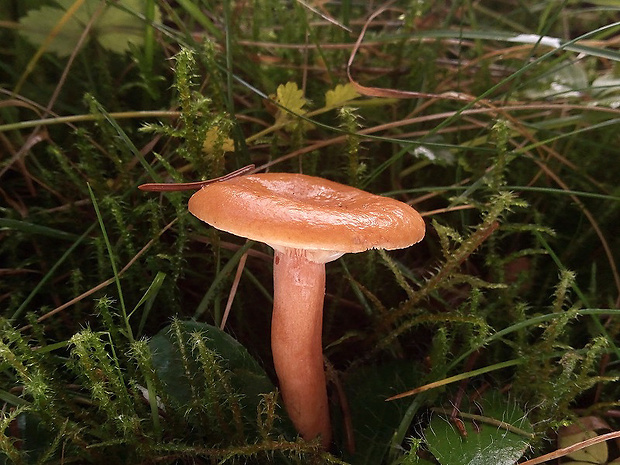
<point>340,95</point>
<point>290,97</point>
<point>594,454</point>
<point>214,140</point>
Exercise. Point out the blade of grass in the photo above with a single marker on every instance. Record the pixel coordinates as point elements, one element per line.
<point>148,296</point>
<point>113,264</point>
<point>356,290</point>
<point>233,289</point>
<point>51,273</point>
<point>554,42</point>
<point>197,15</point>
<point>31,228</point>
<point>102,285</point>
<point>149,34</point>
<point>83,118</point>
<point>126,140</point>
<point>151,291</point>
<point>241,147</point>
<point>12,399</point>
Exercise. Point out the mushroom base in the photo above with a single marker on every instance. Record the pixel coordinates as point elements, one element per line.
<point>296,330</point>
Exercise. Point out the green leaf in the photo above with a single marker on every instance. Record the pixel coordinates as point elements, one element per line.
<point>148,299</point>
<point>290,97</point>
<point>151,292</point>
<point>340,95</point>
<point>606,90</point>
<point>31,228</point>
<point>595,454</point>
<point>246,375</point>
<point>565,80</point>
<point>115,29</point>
<point>38,24</point>
<point>485,443</point>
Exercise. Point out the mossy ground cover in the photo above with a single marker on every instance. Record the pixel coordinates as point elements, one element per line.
<point>498,122</point>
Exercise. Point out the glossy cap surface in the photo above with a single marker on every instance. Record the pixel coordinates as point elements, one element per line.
<point>305,212</point>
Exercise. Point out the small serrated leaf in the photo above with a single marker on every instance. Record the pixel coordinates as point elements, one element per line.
<point>115,29</point>
<point>37,25</point>
<point>340,95</point>
<point>290,97</point>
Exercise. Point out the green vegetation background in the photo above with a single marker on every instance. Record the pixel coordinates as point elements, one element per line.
<point>497,120</point>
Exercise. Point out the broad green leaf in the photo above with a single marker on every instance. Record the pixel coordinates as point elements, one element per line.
<point>340,95</point>
<point>484,444</point>
<point>117,29</point>
<point>114,29</point>
<point>246,375</point>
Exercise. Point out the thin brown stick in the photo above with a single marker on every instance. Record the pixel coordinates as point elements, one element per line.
<point>233,289</point>
<point>184,186</point>
<point>323,14</point>
<point>447,210</point>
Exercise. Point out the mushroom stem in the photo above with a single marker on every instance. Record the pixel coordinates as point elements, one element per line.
<point>296,329</point>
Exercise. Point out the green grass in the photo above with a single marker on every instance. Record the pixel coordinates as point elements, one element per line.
<point>498,123</point>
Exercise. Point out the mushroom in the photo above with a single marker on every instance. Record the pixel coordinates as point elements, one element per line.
<point>308,221</point>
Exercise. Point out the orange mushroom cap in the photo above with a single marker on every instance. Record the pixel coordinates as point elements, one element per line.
<point>305,212</point>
